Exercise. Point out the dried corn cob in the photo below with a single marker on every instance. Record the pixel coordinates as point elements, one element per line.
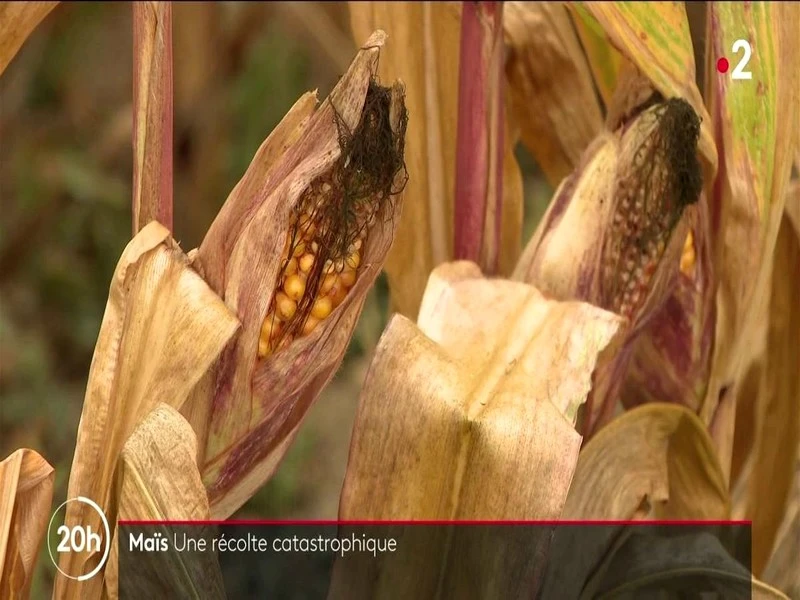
<point>330,224</point>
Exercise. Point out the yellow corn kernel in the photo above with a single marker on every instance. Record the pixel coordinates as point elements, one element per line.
<point>291,267</point>
<point>285,307</point>
<point>295,287</point>
<point>263,347</point>
<point>299,249</point>
<point>338,293</point>
<point>354,260</point>
<point>688,256</point>
<point>328,283</point>
<point>306,262</point>
<point>306,226</point>
<point>322,307</point>
<point>310,324</point>
<point>266,326</point>
<point>348,277</point>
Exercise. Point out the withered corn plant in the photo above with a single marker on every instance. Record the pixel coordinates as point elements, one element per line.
<point>635,360</point>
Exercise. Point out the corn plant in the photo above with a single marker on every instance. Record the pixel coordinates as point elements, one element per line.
<point>634,359</point>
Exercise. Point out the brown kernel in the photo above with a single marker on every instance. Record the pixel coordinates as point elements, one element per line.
<point>306,262</point>
<point>322,307</point>
<point>295,287</point>
<point>291,267</point>
<point>299,249</point>
<point>285,307</point>
<point>338,294</point>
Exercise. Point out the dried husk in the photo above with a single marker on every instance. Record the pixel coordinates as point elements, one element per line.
<point>424,53</point>
<point>162,329</point>
<point>550,85</point>
<point>477,399</point>
<point>157,480</point>
<point>249,410</point>
<point>26,494</point>
<point>17,22</point>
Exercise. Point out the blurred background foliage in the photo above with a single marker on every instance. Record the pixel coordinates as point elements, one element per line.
<point>65,193</point>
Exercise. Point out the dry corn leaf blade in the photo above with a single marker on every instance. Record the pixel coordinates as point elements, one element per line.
<point>655,37</point>
<point>781,570</point>
<point>152,114</point>
<point>26,494</point>
<point>259,399</point>
<point>17,22</point>
<point>459,409</point>
<point>604,60</point>
<point>777,419</point>
<point>157,480</point>
<point>550,85</point>
<point>754,126</point>
<point>423,53</point>
<point>161,330</point>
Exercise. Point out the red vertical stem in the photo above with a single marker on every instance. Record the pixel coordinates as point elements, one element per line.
<point>152,114</point>
<point>479,155</point>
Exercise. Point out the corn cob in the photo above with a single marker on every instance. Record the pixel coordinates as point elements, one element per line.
<point>327,237</point>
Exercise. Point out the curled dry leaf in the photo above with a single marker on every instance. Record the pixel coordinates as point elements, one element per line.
<point>26,493</point>
<point>755,129</point>
<point>157,480</point>
<point>161,330</point>
<point>293,252</point>
<point>424,54</point>
<point>550,84</point>
<point>615,232</point>
<point>17,22</point>
<point>152,114</point>
<point>604,60</point>
<point>479,398</point>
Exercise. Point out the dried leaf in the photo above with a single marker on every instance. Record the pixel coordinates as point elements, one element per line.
<point>781,570</point>
<point>655,38</point>
<point>754,124</point>
<point>161,331</point>
<point>424,54</point>
<point>655,460</point>
<point>17,22</point>
<point>257,400</point>
<point>157,480</point>
<point>604,60</point>
<point>777,418</point>
<point>26,493</point>
<point>152,114</point>
<point>468,385</point>
<point>550,85</point>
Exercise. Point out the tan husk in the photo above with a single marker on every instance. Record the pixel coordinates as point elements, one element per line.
<point>424,53</point>
<point>17,22</point>
<point>479,398</point>
<point>26,493</point>
<point>256,406</point>
<point>157,480</point>
<point>550,86</point>
<point>161,330</point>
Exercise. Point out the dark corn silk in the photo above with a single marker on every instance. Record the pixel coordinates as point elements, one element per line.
<point>653,189</point>
<point>330,223</point>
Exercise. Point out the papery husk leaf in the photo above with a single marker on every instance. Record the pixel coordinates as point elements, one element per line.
<point>157,480</point>
<point>604,60</point>
<point>17,22</point>
<point>781,571</point>
<point>655,38</point>
<point>550,85</point>
<point>162,329</point>
<point>256,406</point>
<point>152,114</point>
<point>666,463</point>
<point>424,53</point>
<point>754,124</point>
<point>777,418</point>
<point>456,411</point>
<point>26,494</point>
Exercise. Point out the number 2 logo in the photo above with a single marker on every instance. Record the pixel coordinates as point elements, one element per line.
<point>739,72</point>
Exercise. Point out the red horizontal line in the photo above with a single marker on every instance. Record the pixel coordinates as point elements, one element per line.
<point>683,523</point>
